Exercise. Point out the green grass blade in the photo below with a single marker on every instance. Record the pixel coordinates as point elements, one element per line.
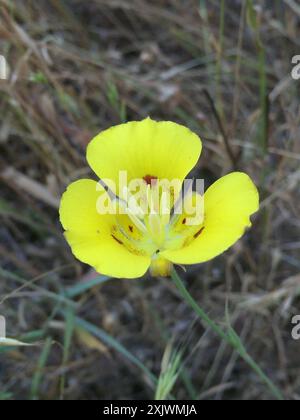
<point>38,375</point>
<point>80,288</point>
<point>69,329</point>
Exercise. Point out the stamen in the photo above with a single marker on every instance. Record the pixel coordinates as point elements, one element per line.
<point>198,233</point>
<point>132,214</point>
<point>118,240</point>
<point>155,224</point>
<point>138,223</point>
<point>165,208</point>
<point>132,204</point>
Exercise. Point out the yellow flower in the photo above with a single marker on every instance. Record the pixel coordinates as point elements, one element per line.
<point>125,241</point>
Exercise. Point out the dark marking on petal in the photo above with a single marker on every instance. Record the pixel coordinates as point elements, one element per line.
<point>198,233</point>
<point>184,221</point>
<point>149,179</point>
<point>157,251</point>
<point>118,240</point>
<point>130,228</point>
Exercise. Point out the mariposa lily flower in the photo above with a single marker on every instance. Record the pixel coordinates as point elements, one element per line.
<point>126,244</point>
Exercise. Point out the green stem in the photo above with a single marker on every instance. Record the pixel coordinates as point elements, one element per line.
<point>231,338</point>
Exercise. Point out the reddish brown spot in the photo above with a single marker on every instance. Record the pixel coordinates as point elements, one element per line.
<point>130,228</point>
<point>149,179</point>
<point>118,240</point>
<point>198,233</point>
<point>184,221</point>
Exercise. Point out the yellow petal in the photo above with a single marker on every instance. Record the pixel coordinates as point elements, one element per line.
<point>228,205</point>
<point>163,150</point>
<point>91,234</point>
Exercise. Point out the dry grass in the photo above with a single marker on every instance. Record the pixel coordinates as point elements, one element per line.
<point>78,67</point>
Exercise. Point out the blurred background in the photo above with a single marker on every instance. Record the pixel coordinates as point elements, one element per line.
<point>222,68</point>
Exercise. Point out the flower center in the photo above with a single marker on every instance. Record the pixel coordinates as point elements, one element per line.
<point>149,225</point>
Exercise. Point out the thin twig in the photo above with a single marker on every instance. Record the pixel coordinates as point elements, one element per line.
<point>229,151</point>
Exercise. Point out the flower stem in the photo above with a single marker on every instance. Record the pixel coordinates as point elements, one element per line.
<point>231,337</point>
